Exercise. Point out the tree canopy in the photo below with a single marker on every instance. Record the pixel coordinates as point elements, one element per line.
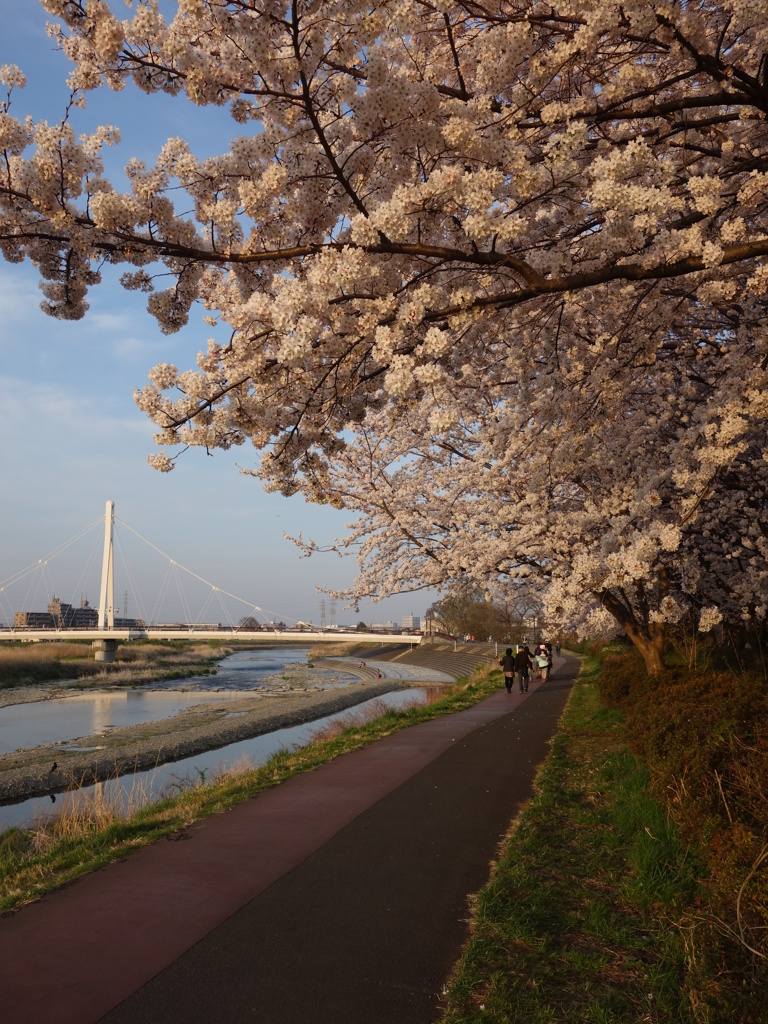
<point>472,612</point>
<point>492,276</point>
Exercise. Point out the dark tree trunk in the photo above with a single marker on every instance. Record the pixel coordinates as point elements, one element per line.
<point>648,637</point>
<point>651,648</point>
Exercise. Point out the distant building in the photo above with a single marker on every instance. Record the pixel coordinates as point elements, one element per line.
<point>61,615</point>
<point>121,623</point>
<point>32,620</point>
<point>66,617</point>
<point>411,622</point>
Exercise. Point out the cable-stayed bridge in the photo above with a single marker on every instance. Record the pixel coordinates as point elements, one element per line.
<point>109,629</point>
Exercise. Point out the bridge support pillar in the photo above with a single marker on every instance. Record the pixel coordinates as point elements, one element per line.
<point>105,650</point>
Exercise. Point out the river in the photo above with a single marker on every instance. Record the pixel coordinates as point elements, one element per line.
<point>56,721</point>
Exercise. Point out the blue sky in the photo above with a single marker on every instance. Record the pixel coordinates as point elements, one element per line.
<point>73,438</point>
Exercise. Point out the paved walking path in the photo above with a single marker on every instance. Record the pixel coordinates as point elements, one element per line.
<point>338,897</point>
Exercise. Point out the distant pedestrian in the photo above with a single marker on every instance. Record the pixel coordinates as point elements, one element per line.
<point>542,664</point>
<point>523,667</point>
<point>557,648</point>
<point>540,651</point>
<point>507,663</point>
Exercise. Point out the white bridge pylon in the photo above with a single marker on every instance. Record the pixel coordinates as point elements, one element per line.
<point>107,597</point>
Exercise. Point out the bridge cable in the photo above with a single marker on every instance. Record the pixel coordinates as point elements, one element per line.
<point>181,593</point>
<point>173,562</point>
<point>135,593</point>
<point>161,592</point>
<point>89,565</point>
<point>47,558</point>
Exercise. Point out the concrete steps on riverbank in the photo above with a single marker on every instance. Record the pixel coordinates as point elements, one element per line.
<point>453,659</point>
<point>362,672</point>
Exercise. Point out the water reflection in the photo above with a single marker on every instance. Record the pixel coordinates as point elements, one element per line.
<point>55,721</point>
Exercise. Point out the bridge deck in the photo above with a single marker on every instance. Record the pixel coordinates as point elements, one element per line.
<point>193,633</point>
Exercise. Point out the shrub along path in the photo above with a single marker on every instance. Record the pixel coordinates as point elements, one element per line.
<point>339,896</point>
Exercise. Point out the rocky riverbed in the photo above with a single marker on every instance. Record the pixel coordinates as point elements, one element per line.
<point>31,772</point>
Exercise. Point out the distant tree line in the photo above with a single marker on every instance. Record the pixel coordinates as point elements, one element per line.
<point>475,614</point>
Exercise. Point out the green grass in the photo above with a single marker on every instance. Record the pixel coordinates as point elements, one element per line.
<point>575,923</point>
<point>36,860</point>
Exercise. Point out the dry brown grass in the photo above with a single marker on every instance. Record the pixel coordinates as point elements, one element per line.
<point>37,652</point>
<point>433,694</point>
<point>87,807</point>
<point>83,810</point>
<point>340,650</point>
<point>152,653</point>
<point>353,720</point>
<point>30,664</point>
<point>357,719</point>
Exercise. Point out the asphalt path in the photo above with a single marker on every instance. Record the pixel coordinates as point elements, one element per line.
<point>338,897</point>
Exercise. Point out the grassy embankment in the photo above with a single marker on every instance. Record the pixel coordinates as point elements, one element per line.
<point>633,887</point>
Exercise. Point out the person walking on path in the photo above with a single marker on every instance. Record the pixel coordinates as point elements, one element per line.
<point>537,650</point>
<point>543,663</point>
<point>523,667</point>
<point>507,663</point>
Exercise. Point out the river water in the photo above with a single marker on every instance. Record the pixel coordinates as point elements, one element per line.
<point>56,721</point>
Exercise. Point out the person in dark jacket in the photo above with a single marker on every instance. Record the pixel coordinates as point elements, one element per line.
<point>507,663</point>
<point>523,667</point>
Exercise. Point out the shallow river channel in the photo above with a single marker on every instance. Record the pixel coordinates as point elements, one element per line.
<point>56,721</point>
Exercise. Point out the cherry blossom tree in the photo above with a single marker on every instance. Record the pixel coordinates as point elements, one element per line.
<point>492,275</point>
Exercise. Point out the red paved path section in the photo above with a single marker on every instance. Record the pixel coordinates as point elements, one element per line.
<point>337,896</point>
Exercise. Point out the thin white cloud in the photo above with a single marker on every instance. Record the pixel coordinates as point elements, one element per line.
<point>18,294</point>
